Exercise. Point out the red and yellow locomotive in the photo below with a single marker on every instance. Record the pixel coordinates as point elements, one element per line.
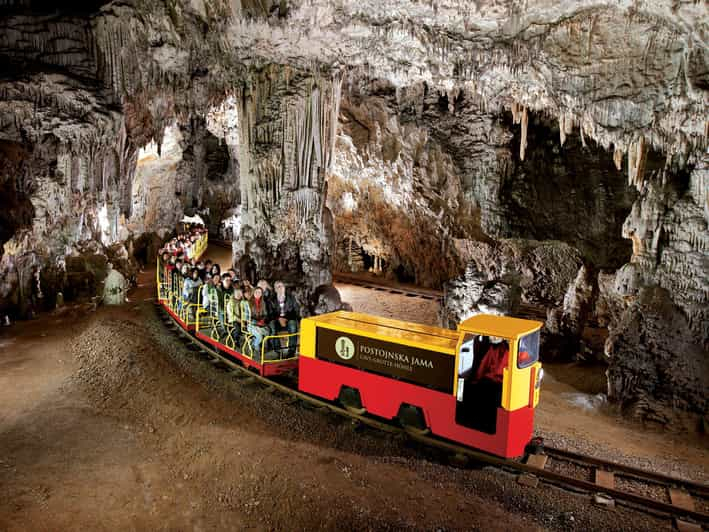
<point>430,378</point>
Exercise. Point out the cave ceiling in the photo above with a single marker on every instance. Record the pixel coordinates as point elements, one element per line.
<point>614,69</point>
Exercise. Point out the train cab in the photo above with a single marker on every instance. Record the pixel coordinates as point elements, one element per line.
<point>477,386</point>
<point>498,377</point>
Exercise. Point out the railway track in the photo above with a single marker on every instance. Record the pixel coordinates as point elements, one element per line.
<point>608,483</point>
<point>392,288</point>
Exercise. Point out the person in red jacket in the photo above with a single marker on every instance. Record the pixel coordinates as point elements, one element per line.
<point>494,362</point>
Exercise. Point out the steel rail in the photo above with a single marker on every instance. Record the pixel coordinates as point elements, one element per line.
<point>640,502</point>
<point>626,471</point>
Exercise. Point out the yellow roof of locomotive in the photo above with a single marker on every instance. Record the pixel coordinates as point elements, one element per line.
<point>392,330</point>
<point>502,326</point>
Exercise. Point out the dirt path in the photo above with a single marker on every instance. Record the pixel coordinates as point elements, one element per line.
<point>107,423</point>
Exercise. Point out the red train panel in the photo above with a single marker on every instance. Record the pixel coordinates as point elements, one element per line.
<point>383,396</point>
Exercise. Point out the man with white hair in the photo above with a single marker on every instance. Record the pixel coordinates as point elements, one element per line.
<point>284,314</point>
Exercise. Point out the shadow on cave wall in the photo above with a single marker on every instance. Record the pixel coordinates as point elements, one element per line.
<point>573,193</point>
<point>16,209</point>
<point>221,193</point>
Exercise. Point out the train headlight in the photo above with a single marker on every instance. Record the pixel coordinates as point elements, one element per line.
<point>540,377</point>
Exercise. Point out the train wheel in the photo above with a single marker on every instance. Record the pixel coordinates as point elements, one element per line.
<point>351,400</point>
<point>412,420</point>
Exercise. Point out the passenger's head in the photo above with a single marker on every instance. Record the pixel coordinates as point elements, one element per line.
<point>248,292</point>
<point>496,340</point>
<point>215,269</point>
<point>280,288</point>
<point>263,284</point>
<point>238,293</point>
<point>195,274</point>
<point>200,265</point>
<point>226,281</point>
<point>216,279</point>
<point>185,269</point>
<point>207,277</point>
<point>208,264</point>
<point>258,292</point>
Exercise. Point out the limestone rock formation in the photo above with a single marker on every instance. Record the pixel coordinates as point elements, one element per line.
<point>541,158</point>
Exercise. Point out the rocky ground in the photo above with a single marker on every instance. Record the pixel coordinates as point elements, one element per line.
<point>108,422</point>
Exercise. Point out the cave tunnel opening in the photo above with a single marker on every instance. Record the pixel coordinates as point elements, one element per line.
<point>374,264</point>
<point>573,193</point>
<point>404,274</point>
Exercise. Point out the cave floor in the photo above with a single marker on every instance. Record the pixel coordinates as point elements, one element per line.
<point>108,422</point>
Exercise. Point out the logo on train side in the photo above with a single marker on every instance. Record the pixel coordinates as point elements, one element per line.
<point>344,348</point>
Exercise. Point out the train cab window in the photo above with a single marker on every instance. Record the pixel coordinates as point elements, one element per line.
<point>528,352</point>
<point>466,361</point>
<point>480,388</point>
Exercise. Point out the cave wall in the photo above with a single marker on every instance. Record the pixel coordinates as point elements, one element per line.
<point>426,145</point>
<point>82,89</point>
<point>573,235</point>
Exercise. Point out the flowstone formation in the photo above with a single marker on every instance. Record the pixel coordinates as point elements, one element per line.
<point>540,158</point>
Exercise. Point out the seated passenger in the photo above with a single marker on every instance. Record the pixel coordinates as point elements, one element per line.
<point>485,394</point>
<point>258,326</point>
<point>225,292</point>
<point>494,361</point>
<point>265,288</point>
<point>211,297</point>
<point>284,315</point>
<point>190,290</point>
<point>216,270</point>
<point>233,313</point>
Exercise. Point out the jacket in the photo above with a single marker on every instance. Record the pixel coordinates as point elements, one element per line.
<point>289,310</point>
<point>190,289</point>
<point>495,360</point>
<point>223,295</point>
<point>259,311</point>
<point>233,311</point>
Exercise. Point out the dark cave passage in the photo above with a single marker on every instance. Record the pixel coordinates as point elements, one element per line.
<point>573,193</point>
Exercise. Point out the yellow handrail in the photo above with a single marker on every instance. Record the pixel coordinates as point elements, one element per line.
<point>264,343</point>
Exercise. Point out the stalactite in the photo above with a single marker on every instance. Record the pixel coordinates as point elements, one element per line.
<point>637,155</point>
<point>523,139</point>
<point>562,128</point>
<point>618,158</point>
